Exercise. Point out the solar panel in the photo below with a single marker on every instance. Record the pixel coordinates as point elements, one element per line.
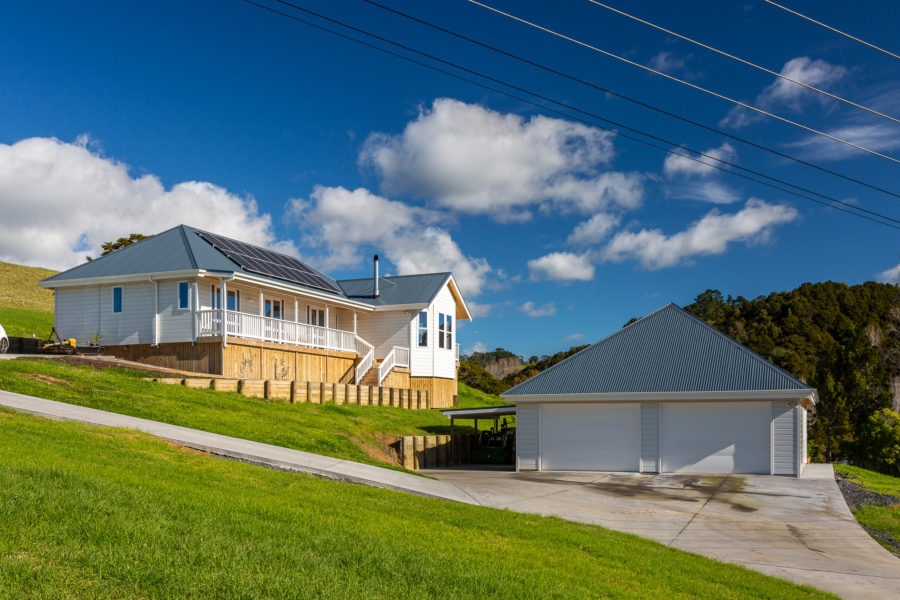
<point>266,262</point>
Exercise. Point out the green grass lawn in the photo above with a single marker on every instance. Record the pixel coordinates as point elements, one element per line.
<point>88,512</point>
<point>881,518</point>
<point>359,433</point>
<point>23,322</point>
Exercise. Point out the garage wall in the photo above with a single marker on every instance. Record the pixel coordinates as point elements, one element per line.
<point>650,437</point>
<point>527,428</point>
<point>784,446</point>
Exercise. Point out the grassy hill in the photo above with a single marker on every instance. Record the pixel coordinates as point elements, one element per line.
<point>89,512</point>
<point>25,308</point>
<point>360,433</point>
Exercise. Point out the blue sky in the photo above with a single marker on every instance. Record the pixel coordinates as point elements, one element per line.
<point>117,118</point>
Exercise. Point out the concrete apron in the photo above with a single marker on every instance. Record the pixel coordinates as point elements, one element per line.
<point>797,529</point>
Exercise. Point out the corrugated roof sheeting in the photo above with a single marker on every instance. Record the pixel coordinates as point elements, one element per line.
<point>403,289</point>
<point>172,250</point>
<point>669,350</point>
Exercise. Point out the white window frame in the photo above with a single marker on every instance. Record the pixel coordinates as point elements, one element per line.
<point>272,302</point>
<point>313,311</point>
<point>420,328</point>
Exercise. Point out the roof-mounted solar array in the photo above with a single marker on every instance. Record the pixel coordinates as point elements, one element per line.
<point>266,262</point>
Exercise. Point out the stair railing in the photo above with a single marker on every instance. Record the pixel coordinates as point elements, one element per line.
<point>367,353</point>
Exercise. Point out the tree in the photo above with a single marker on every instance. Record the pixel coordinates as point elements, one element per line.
<point>110,247</point>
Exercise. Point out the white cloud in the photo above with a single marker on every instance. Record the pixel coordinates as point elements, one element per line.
<point>575,337</point>
<point>562,266</point>
<point>60,201</point>
<point>676,164</point>
<point>781,92</point>
<point>713,192</point>
<point>710,235</point>
<point>594,230</point>
<point>546,310</point>
<point>345,222</point>
<point>477,310</point>
<point>875,137</point>
<point>473,160</point>
<point>476,347</point>
<point>667,62</point>
<point>892,275</point>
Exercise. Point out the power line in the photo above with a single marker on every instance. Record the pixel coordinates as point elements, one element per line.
<point>630,99</point>
<point>744,61</point>
<point>810,19</point>
<point>831,201</point>
<point>683,82</point>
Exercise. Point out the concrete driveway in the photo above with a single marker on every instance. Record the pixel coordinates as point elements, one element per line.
<point>798,529</point>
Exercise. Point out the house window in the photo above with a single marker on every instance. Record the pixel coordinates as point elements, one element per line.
<point>215,297</point>
<point>445,331</point>
<point>274,309</point>
<point>184,294</point>
<point>423,328</point>
<point>449,338</point>
<point>117,299</point>
<point>315,316</point>
<point>234,301</point>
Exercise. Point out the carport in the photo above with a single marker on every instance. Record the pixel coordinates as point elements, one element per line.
<point>493,413</point>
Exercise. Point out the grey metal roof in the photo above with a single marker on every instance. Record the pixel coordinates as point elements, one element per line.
<point>400,289</point>
<point>669,350</point>
<point>181,249</point>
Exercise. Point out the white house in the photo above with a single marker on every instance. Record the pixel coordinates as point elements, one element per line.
<point>666,394</point>
<point>193,300</point>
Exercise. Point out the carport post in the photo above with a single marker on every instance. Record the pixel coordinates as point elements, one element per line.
<point>476,425</point>
<point>495,425</point>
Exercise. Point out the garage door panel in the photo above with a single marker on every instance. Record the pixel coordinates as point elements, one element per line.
<point>716,437</point>
<point>590,437</point>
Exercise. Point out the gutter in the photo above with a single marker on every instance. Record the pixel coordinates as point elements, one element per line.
<point>810,395</point>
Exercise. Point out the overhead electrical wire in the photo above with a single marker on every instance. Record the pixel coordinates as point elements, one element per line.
<point>831,203</point>
<point>838,31</point>
<point>744,61</point>
<point>630,99</point>
<point>683,82</point>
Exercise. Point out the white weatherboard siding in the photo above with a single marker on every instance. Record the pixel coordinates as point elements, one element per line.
<point>527,437</point>
<point>77,314</point>
<point>175,324</point>
<point>434,361</point>
<point>384,330</point>
<point>590,436</point>
<point>444,358</point>
<point>649,437</point>
<point>784,439</point>
<point>716,437</point>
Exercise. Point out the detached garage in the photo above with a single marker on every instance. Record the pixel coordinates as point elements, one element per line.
<point>666,394</point>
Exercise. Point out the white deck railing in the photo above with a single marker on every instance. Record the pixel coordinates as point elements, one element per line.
<point>267,329</point>
<point>397,357</point>
<point>366,352</point>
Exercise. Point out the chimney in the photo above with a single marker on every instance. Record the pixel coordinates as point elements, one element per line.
<point>377,292</point>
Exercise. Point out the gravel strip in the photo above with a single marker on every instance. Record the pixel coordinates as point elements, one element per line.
<point>856,496</point>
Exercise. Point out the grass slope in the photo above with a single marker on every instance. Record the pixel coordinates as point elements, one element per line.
<point>19,288</point>
<point>100,513</point>
<point>25,308</point>
<point>879,518</point>
<point>353,432</point>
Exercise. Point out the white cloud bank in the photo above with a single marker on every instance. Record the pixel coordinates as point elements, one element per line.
<point>473,160</point>
<point>60,201</point>
<point>710,235</point>
<point>892,275</point>
<point>345,223</point>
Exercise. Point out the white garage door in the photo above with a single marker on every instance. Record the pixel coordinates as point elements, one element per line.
<point>715,437</point>
<point>590,437</point>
